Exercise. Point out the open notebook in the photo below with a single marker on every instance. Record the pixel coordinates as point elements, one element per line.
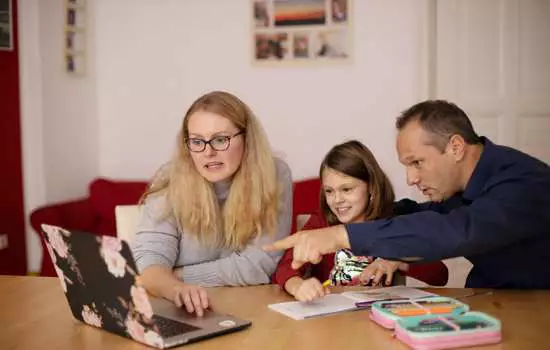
<point>346,301</point>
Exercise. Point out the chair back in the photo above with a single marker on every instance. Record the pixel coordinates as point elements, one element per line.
<point>127,220</point>
<point>305,201</point>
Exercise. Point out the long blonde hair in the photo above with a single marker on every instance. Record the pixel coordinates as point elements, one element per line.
<point>251,207</point>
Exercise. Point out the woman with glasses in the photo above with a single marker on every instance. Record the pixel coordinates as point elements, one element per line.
<point>208,212</point>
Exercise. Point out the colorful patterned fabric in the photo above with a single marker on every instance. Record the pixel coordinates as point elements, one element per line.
<point>347,268</point>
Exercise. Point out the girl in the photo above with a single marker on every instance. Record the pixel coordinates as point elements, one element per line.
<point>354,189</point>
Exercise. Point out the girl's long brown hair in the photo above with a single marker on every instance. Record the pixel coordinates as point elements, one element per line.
<point>354,159</point>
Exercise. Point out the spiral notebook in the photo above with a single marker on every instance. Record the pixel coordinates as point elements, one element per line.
<point>346,301</point>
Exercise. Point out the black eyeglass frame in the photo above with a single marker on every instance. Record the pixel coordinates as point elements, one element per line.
<point>209,142</point>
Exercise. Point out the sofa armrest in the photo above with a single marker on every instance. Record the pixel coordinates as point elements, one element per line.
<point>73,215</point>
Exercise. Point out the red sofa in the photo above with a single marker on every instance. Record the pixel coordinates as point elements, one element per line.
<point>94,213</point>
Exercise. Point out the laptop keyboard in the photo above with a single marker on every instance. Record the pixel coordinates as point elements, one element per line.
<point>170,328</point>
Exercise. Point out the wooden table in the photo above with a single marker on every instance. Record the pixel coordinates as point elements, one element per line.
<point>34,315</point>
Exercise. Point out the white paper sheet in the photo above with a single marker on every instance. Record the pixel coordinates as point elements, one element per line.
<point>346,301</point>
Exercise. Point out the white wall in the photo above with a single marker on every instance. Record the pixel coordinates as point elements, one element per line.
<point>148,60</point>
<point>70,126</point>
<point>31,120</point>
<point>59,114</point>
<point>155,58</point>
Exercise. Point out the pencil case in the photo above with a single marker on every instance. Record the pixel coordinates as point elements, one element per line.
<point>432,332</point>
<point>386,313</point>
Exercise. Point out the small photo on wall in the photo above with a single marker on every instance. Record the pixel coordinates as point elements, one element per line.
<point>299,12</point>
<point>261,13</point>
<point>5,25</point>
<point>74,41</point>
<point>70,63</point>
<point>301,45</point>
<point>330,44</point>
<point>75,17</point>
<point>339,10</point>
<point>71,17</point>
<point>271,46</point>
<point>70,40</point>
<point>75,3</point>
<point>74,64</point>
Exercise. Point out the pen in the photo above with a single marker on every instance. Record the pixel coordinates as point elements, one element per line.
<point>370,302</point>
<point>326,283</point>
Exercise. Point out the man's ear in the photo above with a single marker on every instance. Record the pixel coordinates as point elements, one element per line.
<point>457,147</point>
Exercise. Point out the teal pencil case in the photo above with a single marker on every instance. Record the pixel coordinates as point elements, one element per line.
<point>387,313</point>
<point>432,332</point>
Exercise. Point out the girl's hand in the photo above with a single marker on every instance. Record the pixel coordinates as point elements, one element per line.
<point>309,290</point>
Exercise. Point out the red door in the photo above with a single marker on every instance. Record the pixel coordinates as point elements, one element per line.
<point>12,218</point>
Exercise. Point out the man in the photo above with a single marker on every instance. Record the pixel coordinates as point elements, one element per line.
<point>488,203</point>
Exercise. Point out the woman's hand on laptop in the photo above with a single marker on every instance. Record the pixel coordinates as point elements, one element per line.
<point>193,297</point>
<point>160,281</point>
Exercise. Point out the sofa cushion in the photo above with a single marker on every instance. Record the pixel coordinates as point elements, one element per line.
<point>106,194</point>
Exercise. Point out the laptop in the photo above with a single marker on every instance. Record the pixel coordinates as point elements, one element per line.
<point>99,277</point>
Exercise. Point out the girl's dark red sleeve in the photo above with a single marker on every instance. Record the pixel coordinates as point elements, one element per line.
<point>284,270</point>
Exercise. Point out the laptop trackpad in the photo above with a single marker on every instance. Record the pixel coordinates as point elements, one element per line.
<point>165,308</point>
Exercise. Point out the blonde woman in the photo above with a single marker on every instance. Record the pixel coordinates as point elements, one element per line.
<point>209,211</point>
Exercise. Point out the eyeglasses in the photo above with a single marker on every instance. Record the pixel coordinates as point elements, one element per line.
<point>218,143</point>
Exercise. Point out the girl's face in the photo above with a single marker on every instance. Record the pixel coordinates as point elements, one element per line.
<point>346,196</point>
<point>222,156</point>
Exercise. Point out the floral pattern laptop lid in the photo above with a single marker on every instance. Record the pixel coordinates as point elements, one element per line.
<point>123,308</point>
<point>101,283</point>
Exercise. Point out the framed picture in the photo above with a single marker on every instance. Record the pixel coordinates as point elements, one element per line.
<point>6,25</point>
<point>75,16</point>
<point>75,64</point>
<point>292,31</point>
<point>75,3</point>
<point>74,52</point>
<point>75,41</point>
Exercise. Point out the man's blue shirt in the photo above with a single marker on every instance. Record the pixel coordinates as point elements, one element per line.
<point>501,223</point>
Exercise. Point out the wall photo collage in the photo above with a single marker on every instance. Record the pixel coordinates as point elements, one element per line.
<point>75,37</point>
<point>6,26</point>
<point>291,31</point>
